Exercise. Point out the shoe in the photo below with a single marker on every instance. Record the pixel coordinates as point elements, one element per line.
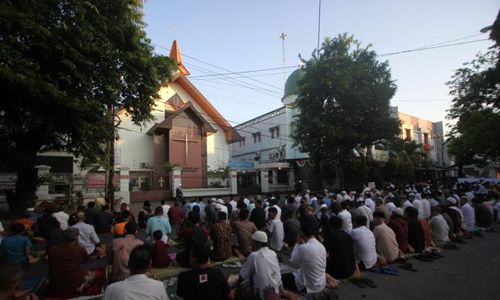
<point>358,282</point>
<point>369,282</point>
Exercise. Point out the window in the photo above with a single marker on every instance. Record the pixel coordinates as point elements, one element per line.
<point>408,135</point>
<point>426,138</point>
<point>242,142</point>
<point>275,132</point>
<point>256,137</point>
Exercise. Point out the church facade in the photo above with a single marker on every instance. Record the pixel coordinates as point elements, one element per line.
<point>186,132</point>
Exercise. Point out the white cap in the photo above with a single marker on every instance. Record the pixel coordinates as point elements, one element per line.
<point>323,206</point>
<point>452,200</point>
<point>220,201</point>
<point>260,236</point>
<point>398,211</point>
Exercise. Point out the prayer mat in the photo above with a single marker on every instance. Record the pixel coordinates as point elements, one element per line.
<point>175,270</point>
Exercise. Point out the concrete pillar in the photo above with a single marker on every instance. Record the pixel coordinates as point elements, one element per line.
<point>264,181</point>
<point>124,192</point>
<point>233,181</point>
<point>176,179</point>
<point>291,178</point>
<point>42,191</point>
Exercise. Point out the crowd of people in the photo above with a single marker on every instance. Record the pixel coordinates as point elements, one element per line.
<point>298,244</point>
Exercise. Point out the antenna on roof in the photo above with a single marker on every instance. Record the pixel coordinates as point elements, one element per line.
<point>283,37</point>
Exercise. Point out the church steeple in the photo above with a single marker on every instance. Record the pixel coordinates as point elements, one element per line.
<point>175,55</point>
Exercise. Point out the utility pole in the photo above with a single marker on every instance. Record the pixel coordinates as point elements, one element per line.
<point>283,37</point>
<point>110,186</point>
<point>319,25</point>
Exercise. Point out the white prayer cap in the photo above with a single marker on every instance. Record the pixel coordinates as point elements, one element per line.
<point>220,201</point>
<point>434,203</point>
<point>30,209</point>
<point>323,206</point>
<point>452,200</point>
<point>343,192</point>
<point>398,211</point>
<point>308,191</point>
<point>260,236</point>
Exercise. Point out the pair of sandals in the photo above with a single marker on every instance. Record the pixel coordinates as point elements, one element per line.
<point>408,267</point>
<point>363,282</point>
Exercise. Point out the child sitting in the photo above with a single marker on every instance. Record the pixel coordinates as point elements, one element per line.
<point>159,253</point>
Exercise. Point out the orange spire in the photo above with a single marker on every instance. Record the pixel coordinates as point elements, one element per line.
<point>175,55</point>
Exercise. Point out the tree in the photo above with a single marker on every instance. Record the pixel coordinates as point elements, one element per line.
<point>475,108</point>
<point>64,67</point>
<point>344,103</point>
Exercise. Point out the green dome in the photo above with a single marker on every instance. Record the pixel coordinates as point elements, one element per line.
<point>292,83</point>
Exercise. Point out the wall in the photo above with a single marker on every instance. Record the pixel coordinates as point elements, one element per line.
<point>267,145</point>
<point>218,150</point>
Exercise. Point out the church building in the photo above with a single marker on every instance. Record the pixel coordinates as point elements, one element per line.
<point>187,131</point>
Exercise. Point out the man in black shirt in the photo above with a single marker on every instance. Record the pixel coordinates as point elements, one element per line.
<point>202,282</point>
<point>340,247</point>
<point>104,220</point>
<point>416,236</point>
<point>258,215</point>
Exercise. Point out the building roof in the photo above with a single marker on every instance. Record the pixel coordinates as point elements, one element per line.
<point>197,96</point>
<point>292,82</point>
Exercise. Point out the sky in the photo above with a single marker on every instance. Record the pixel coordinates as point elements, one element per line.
<point>223,36</point>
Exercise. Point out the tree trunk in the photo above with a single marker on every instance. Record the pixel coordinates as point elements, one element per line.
<point>26,184</point>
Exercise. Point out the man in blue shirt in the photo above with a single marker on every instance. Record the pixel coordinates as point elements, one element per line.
<point>158,222</point>
<point>17,248</point>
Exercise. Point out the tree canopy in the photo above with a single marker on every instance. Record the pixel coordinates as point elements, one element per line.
<point>475,108</point>
<point>344,103</point>
<point>63,65</point>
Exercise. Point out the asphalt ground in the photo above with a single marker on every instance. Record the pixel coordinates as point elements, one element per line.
<point>471,272</point>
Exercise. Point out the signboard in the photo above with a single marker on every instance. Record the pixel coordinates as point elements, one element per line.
<point>241,165</point>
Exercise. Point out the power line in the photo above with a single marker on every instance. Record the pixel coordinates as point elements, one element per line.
<point>246,72</point>
<point>238,82</point>
<point>224,69</point>
<point>430,47</point>
<point>422,48</point>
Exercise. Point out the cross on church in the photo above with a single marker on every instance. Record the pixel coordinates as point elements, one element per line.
<point>161,181</point>
<point>186,142</point>
<point>140,180</point>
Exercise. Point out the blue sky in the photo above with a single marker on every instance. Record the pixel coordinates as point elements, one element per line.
<point>244,35</point>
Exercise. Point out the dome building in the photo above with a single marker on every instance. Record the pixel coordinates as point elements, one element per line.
<point>266,158</point>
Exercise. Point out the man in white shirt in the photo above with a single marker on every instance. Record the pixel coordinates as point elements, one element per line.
<point>469,215</point>
<point>363,210</point>
<point>262,270</point>
<point>439,227</point>
<point>346,217</point>
<point>274,203</point>
<point>138,285</point>
<point>426,206</point>
<point>310,256</point>
<point>165,207</point>
<point>276,230</point>
<point>408,202</point>
<point>365,251</point>
<point>419,206</point>
<point>369,201</point>
<point>88,238</point>
<point>62,218</point>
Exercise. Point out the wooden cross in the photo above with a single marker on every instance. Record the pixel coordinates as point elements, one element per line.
<point>161,181</point>
<point>186,142</point>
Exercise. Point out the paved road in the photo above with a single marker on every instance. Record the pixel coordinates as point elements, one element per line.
<point>472,272</point>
